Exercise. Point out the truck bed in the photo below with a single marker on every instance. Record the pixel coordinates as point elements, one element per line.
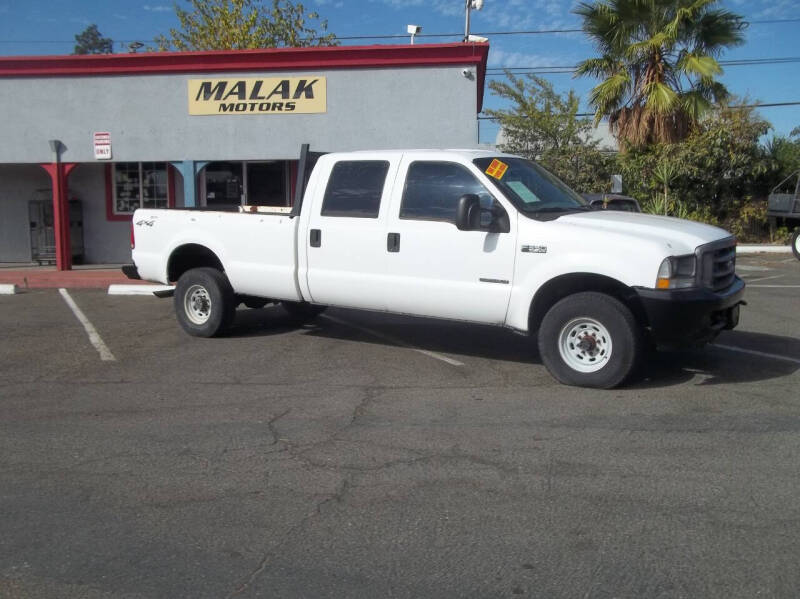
<point>257,247</point>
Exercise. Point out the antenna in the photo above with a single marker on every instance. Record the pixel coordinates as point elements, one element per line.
<point>470,4</point>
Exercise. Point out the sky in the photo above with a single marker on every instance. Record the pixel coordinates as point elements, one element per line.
<point>36,27</point>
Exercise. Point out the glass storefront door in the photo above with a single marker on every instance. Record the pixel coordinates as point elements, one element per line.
<point>266,184</point>
<point>223,184</point>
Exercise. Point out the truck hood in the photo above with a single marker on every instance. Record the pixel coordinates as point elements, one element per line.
<point>675,235</point>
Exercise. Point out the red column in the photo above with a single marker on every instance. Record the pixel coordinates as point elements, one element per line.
<point>59,173</point>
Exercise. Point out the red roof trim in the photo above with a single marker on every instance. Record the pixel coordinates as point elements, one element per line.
<point>238,60</point>
<point>270,59</point>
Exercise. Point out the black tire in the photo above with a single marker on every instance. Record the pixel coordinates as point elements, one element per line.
<point>303,311</point>
<point>205,304</point>
<point>590,340</point>
<point>796,243</point>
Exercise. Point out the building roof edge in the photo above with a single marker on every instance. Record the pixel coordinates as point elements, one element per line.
<point>266,59</point>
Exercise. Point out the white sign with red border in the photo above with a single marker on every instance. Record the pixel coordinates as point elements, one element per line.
<point>102,145</point>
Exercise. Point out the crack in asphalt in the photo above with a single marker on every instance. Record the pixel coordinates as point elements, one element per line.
<point>350,473</point>
<point>271,425</point>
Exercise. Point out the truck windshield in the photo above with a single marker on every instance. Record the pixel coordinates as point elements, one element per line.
<point>531,189</point>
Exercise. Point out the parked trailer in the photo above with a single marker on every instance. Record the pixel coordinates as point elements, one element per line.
<point>784,208</point>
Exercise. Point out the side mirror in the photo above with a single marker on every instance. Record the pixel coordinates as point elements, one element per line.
<point>500,222</point>
<point>468,213</point>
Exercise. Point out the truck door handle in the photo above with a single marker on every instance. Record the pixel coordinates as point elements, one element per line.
<point>393,242</point>
<point>316,238</point>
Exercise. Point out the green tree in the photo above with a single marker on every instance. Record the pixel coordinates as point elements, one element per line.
<point>91,41</point>
<point>786,153</point>
<point>543,125</point>
<point>240,24</point>
<point>657,64</point>
<point>715,171</point>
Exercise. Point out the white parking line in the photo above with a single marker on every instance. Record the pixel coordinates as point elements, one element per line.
<point>430,354</point>
<point>94,336</point>
<point>776,286</point>
<point>747,267</point>
<point>764,279</point>
<point>756,353</point>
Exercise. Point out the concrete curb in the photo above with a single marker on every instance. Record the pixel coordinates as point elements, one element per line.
<point>7,289</point>
<point>763,249</point>
<point>137,289</point>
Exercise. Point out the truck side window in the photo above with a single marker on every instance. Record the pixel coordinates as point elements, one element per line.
<point>432,191</point>
<point>355,188</point>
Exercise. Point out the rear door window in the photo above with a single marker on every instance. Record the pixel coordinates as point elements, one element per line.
<point>355,188</point>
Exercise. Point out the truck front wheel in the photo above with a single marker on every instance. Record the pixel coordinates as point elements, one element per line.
<point>590,340</point>
<point>204,302</point>
<point>796,243</point>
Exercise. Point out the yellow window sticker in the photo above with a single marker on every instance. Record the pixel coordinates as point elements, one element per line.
<point>497,169</point>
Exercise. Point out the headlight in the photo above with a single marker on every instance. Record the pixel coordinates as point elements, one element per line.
<point>677,272</point>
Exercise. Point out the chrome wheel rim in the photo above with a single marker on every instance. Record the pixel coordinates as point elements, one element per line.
<point>584,344</point>
<point>197,304</point>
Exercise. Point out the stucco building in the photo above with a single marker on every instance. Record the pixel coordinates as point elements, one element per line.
<point>88,139</point>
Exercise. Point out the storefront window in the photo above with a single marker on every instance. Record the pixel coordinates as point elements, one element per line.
<point>226,184</point>
<point>140,185</point>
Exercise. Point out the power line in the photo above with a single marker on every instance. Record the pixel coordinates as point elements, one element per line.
<point>767,21</point>
<point>405,36</point>
<point>547,69</point>
<point>588,114</point>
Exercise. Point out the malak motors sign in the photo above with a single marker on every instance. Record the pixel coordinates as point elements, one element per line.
<point>274,95</point>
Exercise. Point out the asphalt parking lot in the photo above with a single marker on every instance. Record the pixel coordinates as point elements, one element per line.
<point>379,456</point>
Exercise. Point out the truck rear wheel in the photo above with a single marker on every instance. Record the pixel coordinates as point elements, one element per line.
<point>590,340</point>
<point>204,302</point>
<point>796,243</point>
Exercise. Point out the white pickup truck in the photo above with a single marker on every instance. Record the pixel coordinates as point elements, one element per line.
<point>467,235</point>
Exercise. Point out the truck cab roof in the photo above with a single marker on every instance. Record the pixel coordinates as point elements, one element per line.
<point>463,153</point>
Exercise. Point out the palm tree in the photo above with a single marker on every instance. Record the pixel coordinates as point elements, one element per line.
<point>658,64</point>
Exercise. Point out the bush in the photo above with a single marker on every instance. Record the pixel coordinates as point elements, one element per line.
<point>711,177</point>
<point>748,221</point>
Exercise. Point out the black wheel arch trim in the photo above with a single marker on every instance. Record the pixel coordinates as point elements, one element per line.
<point>561,286</point>
<point>191,255</point>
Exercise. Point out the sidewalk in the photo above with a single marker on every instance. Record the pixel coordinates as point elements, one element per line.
<point>81,277</point>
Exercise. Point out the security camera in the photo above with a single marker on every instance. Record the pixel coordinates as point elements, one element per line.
<point>413,29</point>
<point>477,38</point>
<point>467,74</point>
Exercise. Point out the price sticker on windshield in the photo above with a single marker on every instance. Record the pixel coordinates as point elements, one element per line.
<point>497,169</point>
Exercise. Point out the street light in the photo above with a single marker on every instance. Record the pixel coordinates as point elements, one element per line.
<point>413,30</point>
<point>470,4</point>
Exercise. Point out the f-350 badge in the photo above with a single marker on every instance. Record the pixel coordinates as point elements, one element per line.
<point>534,249</point>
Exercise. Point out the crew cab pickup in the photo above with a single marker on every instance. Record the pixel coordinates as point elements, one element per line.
<point>468,235</point>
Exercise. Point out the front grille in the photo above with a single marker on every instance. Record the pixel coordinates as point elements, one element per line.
<point>718,261</point>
